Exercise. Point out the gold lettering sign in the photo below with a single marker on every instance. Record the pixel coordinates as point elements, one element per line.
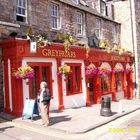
<point>116,58</point>
<point>58,53</point>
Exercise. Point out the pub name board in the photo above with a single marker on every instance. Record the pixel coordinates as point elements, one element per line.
<point>58,53</point>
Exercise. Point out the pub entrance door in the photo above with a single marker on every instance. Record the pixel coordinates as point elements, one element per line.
<point>43,72</point>
<point>90,87</point>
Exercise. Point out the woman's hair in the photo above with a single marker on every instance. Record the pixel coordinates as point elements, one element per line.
<point>43,85</point>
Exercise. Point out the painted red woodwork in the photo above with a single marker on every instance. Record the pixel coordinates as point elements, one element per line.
<point>16,49</point>
<point>97,91</point>
<point>88,100</point>
<point>113,83</point>
<point>130,85</point>
<point>7,103</point>
<point>60,93</point>
<point>39,77</point>
<point>124,85</point>
<point>17,91</point>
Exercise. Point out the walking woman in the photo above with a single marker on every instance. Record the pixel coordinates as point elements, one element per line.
<point>44,102</point>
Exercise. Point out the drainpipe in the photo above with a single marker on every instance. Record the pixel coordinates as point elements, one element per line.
<point>134,42</point>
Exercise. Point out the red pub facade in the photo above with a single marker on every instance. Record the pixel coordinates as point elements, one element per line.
<point>79,88</point>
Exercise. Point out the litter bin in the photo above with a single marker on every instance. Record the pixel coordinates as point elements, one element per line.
<point>106,106</point>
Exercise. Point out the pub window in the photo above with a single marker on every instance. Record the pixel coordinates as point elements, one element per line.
<point>118,81</point>
<point>21,10</point>
<point>73,82</point>
<point>105,82</point>
<point>55,16</point>
<point>34,83</point>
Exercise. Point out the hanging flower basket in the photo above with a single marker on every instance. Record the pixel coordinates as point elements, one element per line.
<point>24,72</point>
<point>104,70</point>
<point>91,69</point>
<point>64,70</point>
<point>118,68</point>
<point>127,70</point>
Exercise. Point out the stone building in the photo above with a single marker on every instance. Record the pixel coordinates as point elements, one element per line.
<point>127,13</point>
<point>79,18</point>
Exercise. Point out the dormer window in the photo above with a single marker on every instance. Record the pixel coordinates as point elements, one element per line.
<point>75,1</point>
<point>103,8</point>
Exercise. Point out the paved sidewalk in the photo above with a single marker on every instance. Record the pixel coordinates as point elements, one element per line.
<point>79,120</point>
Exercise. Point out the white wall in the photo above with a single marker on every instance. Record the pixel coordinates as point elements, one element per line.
<point>76,100</point>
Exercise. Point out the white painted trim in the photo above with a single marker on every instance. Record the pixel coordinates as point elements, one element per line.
<point>82,74</point>
<point>9,24</point>
<point>3,84</point>
<point>9,81</point>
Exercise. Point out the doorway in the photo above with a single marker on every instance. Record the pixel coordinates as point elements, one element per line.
<point>90,87</point>
<point>43,72</point>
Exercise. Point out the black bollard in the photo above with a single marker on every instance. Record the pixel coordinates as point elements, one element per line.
<point>106,107</point>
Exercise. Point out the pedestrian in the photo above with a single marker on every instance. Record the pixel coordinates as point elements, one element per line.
<point>44,103</point>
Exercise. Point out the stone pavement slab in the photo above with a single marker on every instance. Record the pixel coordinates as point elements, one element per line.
<point>81,120</point>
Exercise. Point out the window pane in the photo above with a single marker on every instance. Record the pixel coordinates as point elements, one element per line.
<point>103,8</point>
<point>24,3</point>
<point>20,2</point>
<point>105,85</point>
<point>44,73</point>
<point>79,22</point>
<point>118,81</point>
<point>76,78</point>
<point>21,10</point>
<point>97,28</point>
<point>73,82</point>
<point>34,83</point>
<point>54,15</point>
<point>69,84</point>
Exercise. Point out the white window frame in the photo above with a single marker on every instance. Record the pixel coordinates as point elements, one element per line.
<point>21,5</point>
<point>80,28</point>
<point>98,28</point>
<point>55,15</point>
<point>103,8</point>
